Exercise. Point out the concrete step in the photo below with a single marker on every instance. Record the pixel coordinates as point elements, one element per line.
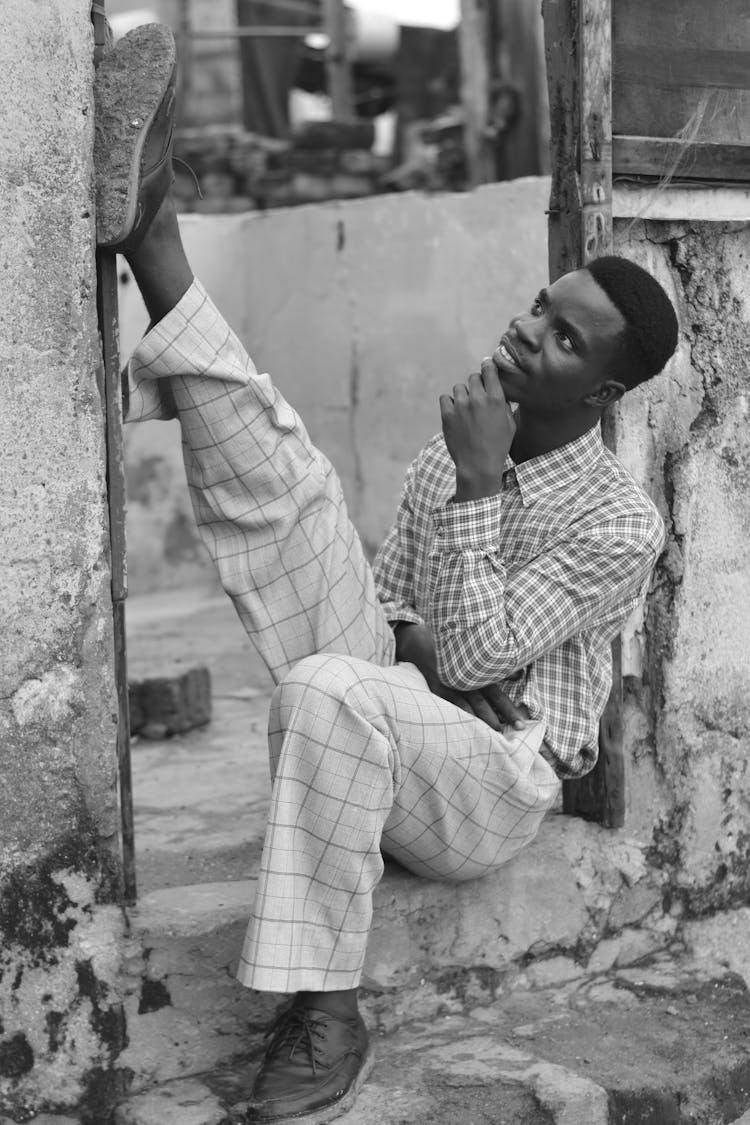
<point>660,1044</point>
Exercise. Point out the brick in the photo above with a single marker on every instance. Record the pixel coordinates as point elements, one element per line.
<point>317,161</point>
<point>344,186</point>
<point>175,701</point>
<point>314,189</point>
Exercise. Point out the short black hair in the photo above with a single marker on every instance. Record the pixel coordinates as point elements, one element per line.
<point>650,334</point>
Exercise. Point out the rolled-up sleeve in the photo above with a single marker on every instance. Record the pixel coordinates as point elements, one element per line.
<point>394,563</point>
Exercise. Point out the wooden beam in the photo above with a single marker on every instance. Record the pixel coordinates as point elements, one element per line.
<point>674,66</point>
<point>338,68</point>
<point>473,48</point>
<point>662,156</point>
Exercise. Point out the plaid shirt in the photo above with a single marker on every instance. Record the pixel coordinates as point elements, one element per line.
<point>529,587</point>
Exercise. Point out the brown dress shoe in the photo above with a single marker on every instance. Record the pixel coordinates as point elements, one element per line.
<point>313,1068</point>
<point>134,97</point>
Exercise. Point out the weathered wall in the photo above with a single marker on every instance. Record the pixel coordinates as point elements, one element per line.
<point>364,312</point>
<point>687,434</point>
<point>59,1022</point>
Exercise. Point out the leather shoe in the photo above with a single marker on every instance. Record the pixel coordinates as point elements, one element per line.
<point>313,1067</point>
<point>134,99</point>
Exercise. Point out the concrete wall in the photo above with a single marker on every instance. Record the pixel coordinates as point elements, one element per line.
<point>59,1015</point>
<point>364,312</point>
<point>687,435</point>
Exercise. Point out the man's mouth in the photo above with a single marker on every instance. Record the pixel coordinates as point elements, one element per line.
<point>506,352</point>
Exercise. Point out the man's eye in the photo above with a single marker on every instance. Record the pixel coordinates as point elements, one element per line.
<point>536,308</point>
<point>565,341</point>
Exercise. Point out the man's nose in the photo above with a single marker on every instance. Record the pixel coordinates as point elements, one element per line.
<point>529,330</point>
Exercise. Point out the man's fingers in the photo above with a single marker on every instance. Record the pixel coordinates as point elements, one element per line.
<point>504,707</point>
<point>475,383</point>
<point>472,702</point>
<point>446,406</point>
<point>491,379</point>
<point>457,698</point>
<point>482,709</point>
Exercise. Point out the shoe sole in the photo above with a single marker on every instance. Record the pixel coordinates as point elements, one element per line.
<point>335,1109</point>
<point>129,87</point>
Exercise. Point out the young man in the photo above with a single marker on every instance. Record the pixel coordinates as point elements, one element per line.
<point>426,708</point>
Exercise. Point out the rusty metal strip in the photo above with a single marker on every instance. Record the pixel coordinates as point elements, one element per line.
<point>107,311</point>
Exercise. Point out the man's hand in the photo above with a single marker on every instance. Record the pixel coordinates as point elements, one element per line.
<point>414,644</point>
<point>478,428</point>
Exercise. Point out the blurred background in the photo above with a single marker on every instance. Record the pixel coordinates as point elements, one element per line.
<point>297,101</point>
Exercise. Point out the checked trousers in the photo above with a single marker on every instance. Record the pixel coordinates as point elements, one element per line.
<point>364,758</point>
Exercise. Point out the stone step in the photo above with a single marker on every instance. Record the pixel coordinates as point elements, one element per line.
<point>186,1012</point>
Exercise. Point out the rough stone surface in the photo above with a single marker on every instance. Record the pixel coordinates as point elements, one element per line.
<point>46,1119</point>
<point>181,1103</point>
<point>59,939</point>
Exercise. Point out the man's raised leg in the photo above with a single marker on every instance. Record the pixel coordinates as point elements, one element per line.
<point>269,504</point>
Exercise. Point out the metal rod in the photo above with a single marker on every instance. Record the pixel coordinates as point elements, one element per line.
<point>257,33</point>
<point>338,69</point>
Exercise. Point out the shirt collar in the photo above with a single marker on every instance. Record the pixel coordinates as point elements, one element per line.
<point>559,468</point>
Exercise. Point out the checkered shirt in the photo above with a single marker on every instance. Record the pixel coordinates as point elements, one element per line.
<point>529,587</point>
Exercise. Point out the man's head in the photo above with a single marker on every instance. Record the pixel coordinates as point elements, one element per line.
<point>592,335</point>
<point>650,334</point>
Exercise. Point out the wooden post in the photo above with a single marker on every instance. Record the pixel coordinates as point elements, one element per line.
<point>338,69</point>
<point>519,33</point>
<point>475,92</point>
<point>578,35</point>
<point>564,225</point>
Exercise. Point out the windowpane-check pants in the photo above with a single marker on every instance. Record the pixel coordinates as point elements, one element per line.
<point>363,756</point>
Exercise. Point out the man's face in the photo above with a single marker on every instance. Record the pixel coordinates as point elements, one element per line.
<point>563,348</point>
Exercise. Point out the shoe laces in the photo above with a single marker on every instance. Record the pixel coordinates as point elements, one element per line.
<point>296,1029</point>
<point>196,181</point>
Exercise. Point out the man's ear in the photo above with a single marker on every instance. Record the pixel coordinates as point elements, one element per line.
<point>605,394</point>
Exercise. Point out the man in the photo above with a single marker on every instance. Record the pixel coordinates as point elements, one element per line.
<point>427,709</point>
